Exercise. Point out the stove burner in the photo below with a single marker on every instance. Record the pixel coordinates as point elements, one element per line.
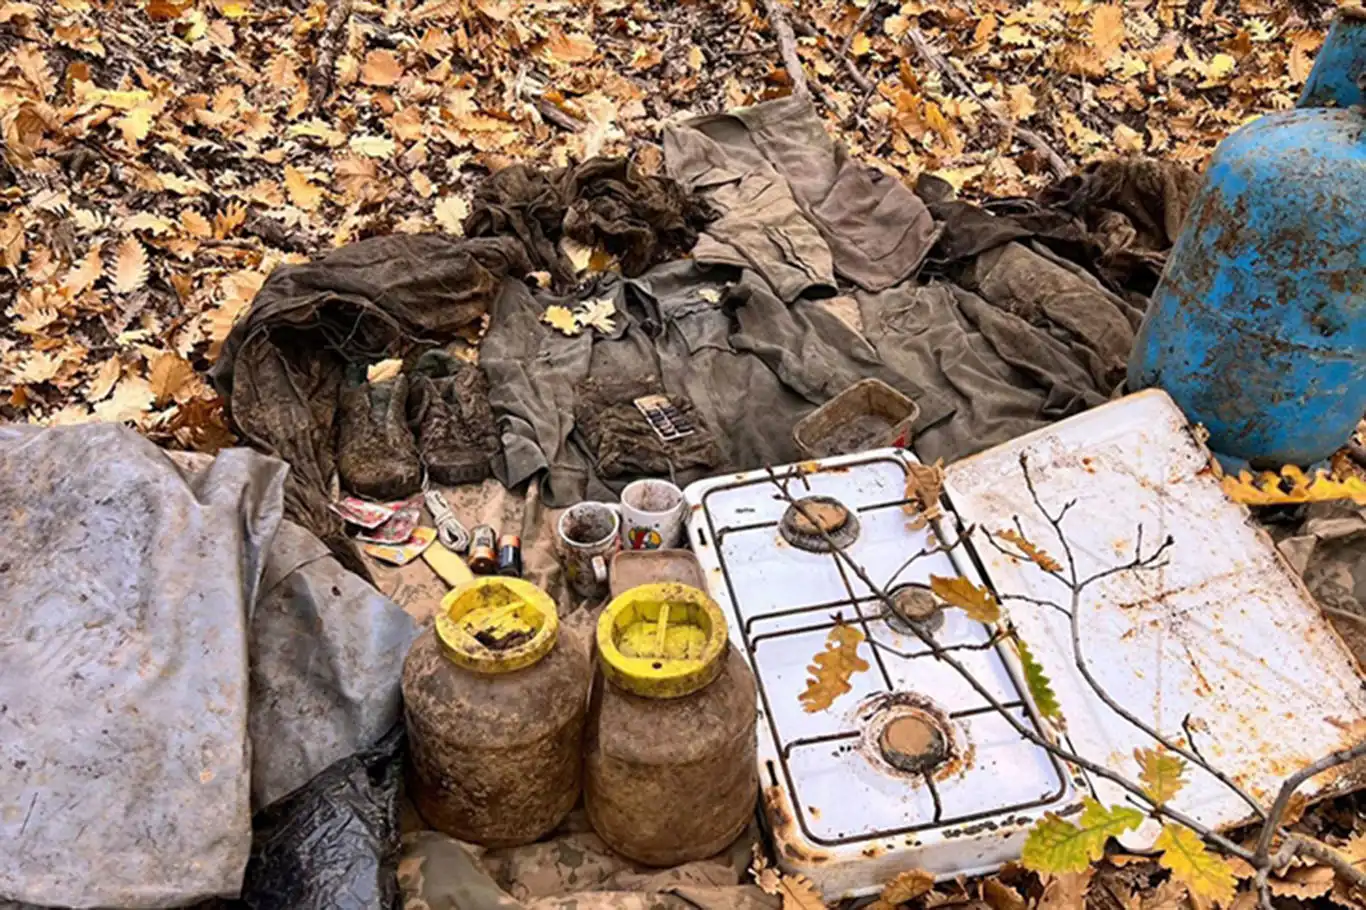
<point>914,744</point>
<point>916,607</point>
<point>807,521</point>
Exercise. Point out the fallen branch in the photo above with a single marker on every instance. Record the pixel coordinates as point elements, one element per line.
<point>787,46</point>
<point>329,44</point>
<point>1055,161</point>
<point>862,81</point>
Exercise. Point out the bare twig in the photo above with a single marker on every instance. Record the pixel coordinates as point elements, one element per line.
<point>1343,614</point>
<point>862,81</point>
<point>1055,161</point>
<point>787,46</point>
<point>1293,783</point>
<point>1157,809</point>
<point>329,43</point>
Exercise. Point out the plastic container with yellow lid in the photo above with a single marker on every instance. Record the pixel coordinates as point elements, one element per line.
<point>670,775</point>
<point>494,702</point>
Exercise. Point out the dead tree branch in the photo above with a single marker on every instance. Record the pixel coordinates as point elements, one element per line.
<point>787,46</point>
<point>1055,161</point>
<point>1293,783</point>
<point>862,81</point>
<point>329,44</point>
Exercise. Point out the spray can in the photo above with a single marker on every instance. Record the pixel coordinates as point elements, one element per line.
<point>483,550</point>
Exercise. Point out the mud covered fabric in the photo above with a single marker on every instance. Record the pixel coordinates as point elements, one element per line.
<point>282,366</point>
<point>748,365</point>
<point>205,656</point>
<point>602,203</point>
<point>795,205</point>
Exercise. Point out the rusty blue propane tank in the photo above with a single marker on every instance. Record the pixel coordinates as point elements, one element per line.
<point>1258,327</point>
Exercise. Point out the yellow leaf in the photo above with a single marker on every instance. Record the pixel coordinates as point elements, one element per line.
<point>564,49</point>
<point>169,374</point>
<point>195,224</point>
<point>130,266</point>
<point>832,668</point>
<point>861,46</point>
<point>1107,30</point>
<point>1206,874</point>
<point>1127,140</point>
<point>1020,102</point>
<point>696,59</point>
<point>1292,486</point>
<point>381,68</point>
<point>1160,773</point>
<point>561,320</point>
<point>1057,846</point>
<point>1221,67</point>
<point>104,380</point>
<point>1301,49</point>
<point>132,397</point>
<point>384,370</point>
<point>1027,547</point>
<point>235,9</point>
<point>373,146</point>
<point>301,190</point>
<point>136,124</point>
<point>979,603</point>
<point>450,213</point>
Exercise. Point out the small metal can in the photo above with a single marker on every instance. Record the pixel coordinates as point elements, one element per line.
<point>510,555</point>
<point>483,550</point>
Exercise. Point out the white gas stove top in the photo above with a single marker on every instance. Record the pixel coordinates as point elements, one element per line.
<point>845,806</point>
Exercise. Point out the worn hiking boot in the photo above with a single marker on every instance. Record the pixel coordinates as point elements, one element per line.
<point>376,455</point>
<point>448,409</point>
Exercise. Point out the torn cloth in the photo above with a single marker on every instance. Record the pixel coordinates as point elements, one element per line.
<point>282,366</point>
<point>794,204</point>
<point>603,203</point>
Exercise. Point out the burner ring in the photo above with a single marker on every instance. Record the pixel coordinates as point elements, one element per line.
<point>808,520</point>
<point>913,743</point>
<point>911,737</point>
<point>914,607</point>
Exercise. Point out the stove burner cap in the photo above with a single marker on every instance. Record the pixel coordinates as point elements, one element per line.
<point>916,605</point>
<point>807,521</point>
<point>914,744</point>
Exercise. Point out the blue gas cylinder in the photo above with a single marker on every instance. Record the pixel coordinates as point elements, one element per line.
<point>1258,327</point>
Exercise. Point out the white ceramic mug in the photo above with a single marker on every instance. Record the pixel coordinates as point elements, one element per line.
<point>651,515</point>
<point>588,536</point>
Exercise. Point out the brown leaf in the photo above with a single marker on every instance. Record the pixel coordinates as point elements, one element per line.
<point>565,49</point>
<point>924,486</point>
<point>130,266</point>
<point>1037,555</point>
<point>450,213</point>
<point>974,600</point>
<point>131,399</point>
<point>167,10</point>
<point>1001,896</point>
<point>1302,882</point>
<point>1066,892</point>
<point>1107,30</point>
<point>832,668</point>
<point>1170,895</point>
<point>103,382</point>
<point>381,68</point>
<point>82,277</point>
<point>169,374</point>
<point>1020,102</point>
<point>229,220</point>
<point>12,241</point>
<point>904,888</point>
<point>1300,61</point>
<point>195,224</point>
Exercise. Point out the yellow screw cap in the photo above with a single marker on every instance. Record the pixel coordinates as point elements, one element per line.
<point>497,625</point>
<point>662,640</point>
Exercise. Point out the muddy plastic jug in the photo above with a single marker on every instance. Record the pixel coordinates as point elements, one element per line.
<point>670,775</point>
<point>1258,327</point>
<point>494,701</point>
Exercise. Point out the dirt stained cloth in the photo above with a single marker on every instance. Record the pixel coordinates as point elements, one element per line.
<point>282,366</point>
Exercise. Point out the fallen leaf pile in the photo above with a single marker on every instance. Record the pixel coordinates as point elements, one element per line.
<point>161,157</point>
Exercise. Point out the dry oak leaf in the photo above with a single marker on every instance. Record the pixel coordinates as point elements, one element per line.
<point>903,888</point>
<point>796,891</point>
<point>1027,547</point>
<point>1020,102</point>
<point>82,277</point>
<point>562,48</point>
<point>132,398</point>
<point>1303,882</point>
<point>1206,874</point>
<point>103,382</point>
<point>130,266</point>
<point>1067,891</point>
<point>301,190</point>
<point>974,600</point>
<point>1001,896</point>
<point>1107,30</point>
<point>373,146</point>
<point>1301,51</point>
<point>381,68</point>
<point>195,224</point>
<point>832,668</point>
<point>169,374</point>
<point>561,320</point>
<point>924,485</point>
<point>229,220</point>
<point>450,213</point>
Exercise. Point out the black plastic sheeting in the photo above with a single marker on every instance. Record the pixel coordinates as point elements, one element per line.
<point>333,844</point>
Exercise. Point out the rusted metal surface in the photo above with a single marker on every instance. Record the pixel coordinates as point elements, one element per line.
<point>1223,643</point>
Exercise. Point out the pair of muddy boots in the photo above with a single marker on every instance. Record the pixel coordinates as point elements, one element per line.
<point>439,416</point>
